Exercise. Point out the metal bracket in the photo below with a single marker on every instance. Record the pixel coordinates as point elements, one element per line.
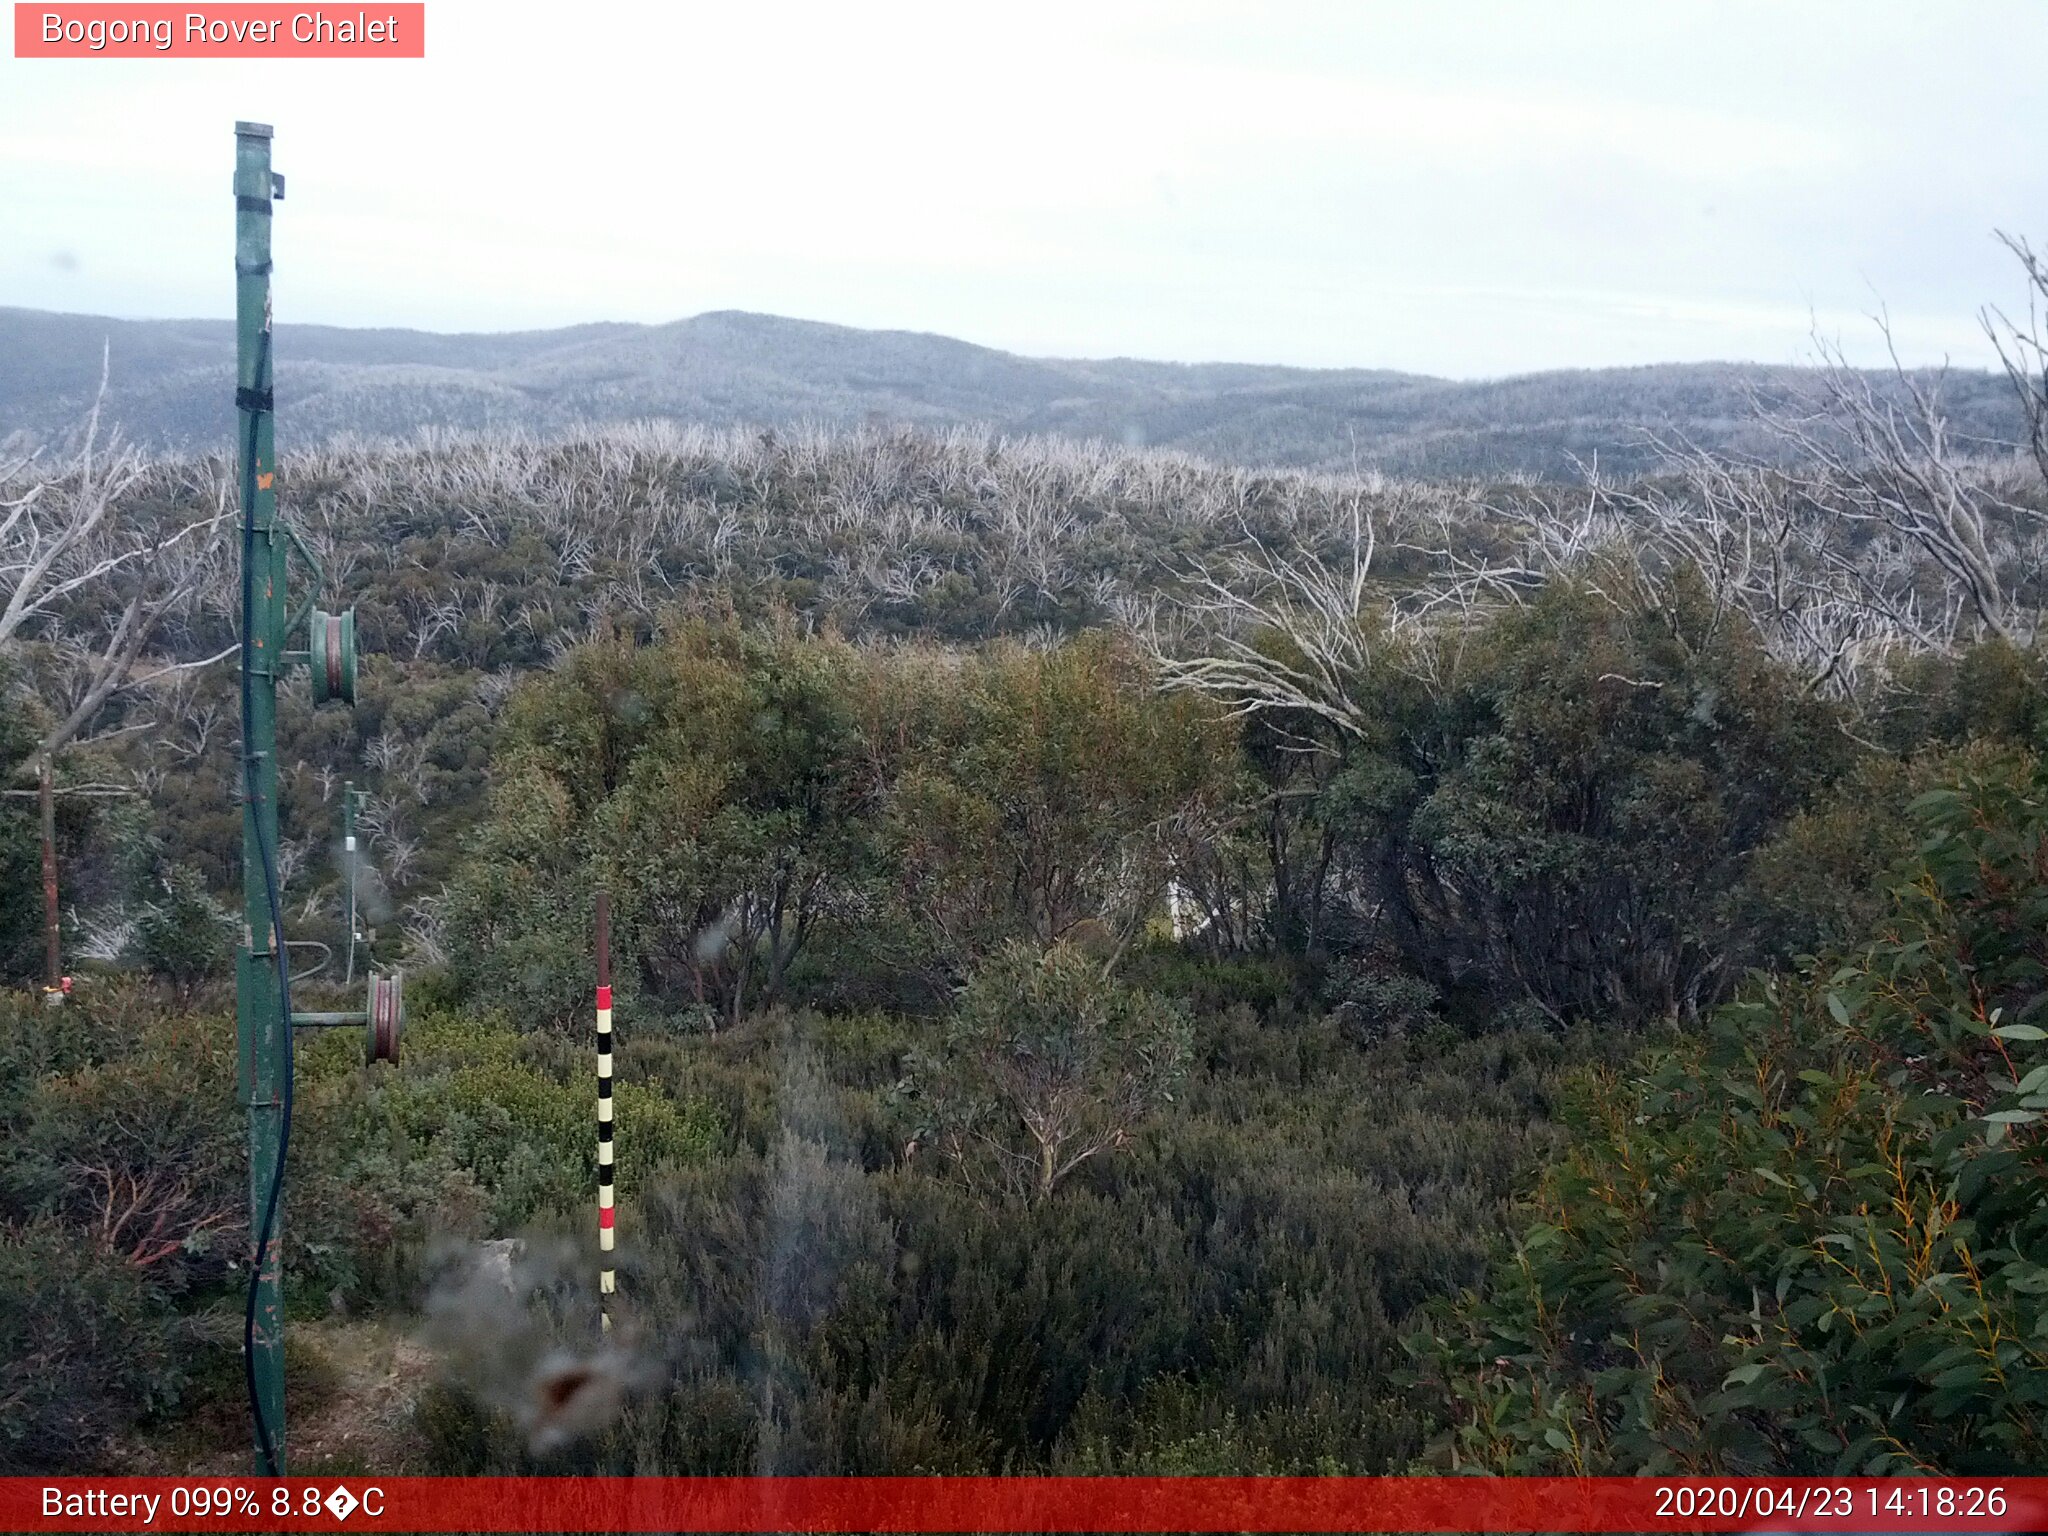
<point>313,568</point>
<point>312,560</point>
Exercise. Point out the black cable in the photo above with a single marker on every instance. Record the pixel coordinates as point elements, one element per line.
<point>266,1442</point>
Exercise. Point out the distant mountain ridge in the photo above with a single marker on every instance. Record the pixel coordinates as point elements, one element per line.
<point>172,385</point>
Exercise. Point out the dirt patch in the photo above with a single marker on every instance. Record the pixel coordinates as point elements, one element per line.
<point>358,1414</point>
<point>350,1388</point>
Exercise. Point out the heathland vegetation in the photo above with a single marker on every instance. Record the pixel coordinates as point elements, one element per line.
<point>1124,964</point>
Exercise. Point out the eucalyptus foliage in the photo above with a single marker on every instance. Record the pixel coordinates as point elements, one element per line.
<point>1815,1238</point>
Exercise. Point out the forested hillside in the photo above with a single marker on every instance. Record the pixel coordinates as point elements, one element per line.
<point>1123,964</point>
<point>172,386</point>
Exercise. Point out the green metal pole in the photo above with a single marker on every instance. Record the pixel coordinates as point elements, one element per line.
<point>264,1047</point>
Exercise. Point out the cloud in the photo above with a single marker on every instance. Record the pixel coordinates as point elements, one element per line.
<point>1314,183</point>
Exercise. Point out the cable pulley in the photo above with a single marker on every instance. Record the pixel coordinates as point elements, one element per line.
<point>387,1016</point>
<point>331,655</point>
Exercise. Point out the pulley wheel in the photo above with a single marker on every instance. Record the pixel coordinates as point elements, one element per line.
<point>331,655</point>
<point>387,1015</point>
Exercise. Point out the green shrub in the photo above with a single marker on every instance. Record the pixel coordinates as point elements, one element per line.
<point>1824,879</point>
<point>37,1041</point>
<point>1046,1065</point>
<point>183,932</point>
<point>1815,1240</point>
<point>778,814</point>
<point>1209,984</point>
<point>519,912</point>
<point>1371,1002</point>
<point>91,1348</point>
<point>1230,1288</point>
<point>142,1149</point>
<point>470,1112</point>
<point>1561,814</point>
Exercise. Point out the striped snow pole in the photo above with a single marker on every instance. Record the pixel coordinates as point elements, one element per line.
<point>606,1280</point>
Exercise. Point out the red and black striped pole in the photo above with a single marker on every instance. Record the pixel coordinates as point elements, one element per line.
<point>606,1281</point>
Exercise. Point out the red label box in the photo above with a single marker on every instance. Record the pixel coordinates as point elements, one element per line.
<point>374,31</point>
<point>836,1506</point>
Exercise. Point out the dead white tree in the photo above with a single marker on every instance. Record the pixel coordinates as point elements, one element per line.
<point>84,590</point>
<point>1830,601</point>
<point>1875,530</point>
<point>1899,467</point>
<point>1288,633</point>
<point>2023,348</point>
<point>63,543</point>
<point>425,928</point>
<point>1470,573</point>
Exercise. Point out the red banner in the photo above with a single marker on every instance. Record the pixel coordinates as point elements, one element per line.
<point>1022,1504</point>
<point>378,31</point>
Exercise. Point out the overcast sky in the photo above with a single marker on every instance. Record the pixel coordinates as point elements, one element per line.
<point>1461,189</point>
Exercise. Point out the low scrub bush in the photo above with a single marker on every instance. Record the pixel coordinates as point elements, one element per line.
<point>1815,1239</point>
